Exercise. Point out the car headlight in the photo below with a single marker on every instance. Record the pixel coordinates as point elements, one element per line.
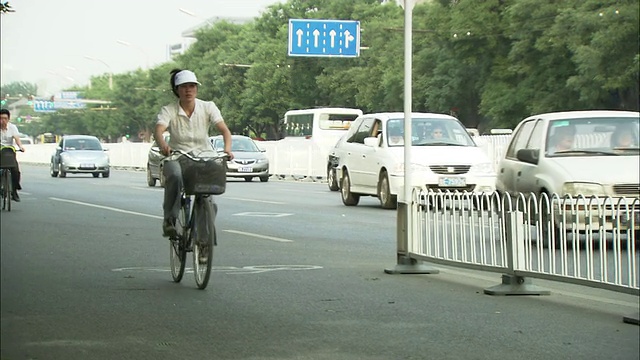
<point>483,168</point>
<point>586,189</point>
<point>262,161</point>
<point>65,157</point>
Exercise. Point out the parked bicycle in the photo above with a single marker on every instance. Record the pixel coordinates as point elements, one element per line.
<point>203,176</point>
<point>6,185</point>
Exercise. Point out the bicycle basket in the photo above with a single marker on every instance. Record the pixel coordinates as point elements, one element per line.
<point>207,176</point>
<point>8,158</point>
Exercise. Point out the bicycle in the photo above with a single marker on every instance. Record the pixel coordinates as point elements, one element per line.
<point>196,232</point>
<point>7,162</point>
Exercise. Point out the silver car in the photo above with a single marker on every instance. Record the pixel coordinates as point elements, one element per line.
<point>79,154</point>
<point>249,160</point>
<point>575,153</point>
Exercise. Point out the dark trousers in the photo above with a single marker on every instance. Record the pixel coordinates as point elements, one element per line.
<point>15,178</point>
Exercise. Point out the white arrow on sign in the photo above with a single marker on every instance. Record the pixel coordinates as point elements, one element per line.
<point>299,33</point>
<point>347,38</point>
<point>332,33</point>
<point>316,35</point>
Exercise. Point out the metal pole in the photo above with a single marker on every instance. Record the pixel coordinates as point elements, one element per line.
<point>405,264</point>
<point>408,50</point>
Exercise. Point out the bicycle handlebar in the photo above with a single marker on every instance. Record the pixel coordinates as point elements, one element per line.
<point>197,158</point>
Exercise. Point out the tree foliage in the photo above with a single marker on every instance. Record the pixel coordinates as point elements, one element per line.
<point>491,63</point>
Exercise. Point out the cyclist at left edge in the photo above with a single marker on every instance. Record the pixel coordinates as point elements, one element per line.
<point>8,134</point>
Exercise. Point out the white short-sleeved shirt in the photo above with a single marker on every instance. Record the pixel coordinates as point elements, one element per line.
<point>6,137</point>
<point>189,133</point>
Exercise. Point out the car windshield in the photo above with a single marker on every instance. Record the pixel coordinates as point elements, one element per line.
<point>612,136</point>
<point>429,132</point>
<point>82,144</point>
<point>237,145</point>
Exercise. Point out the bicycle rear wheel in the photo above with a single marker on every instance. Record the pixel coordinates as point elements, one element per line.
<point>203,236</point>
<point>178,244</point>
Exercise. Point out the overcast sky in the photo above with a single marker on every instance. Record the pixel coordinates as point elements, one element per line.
<point>46,42</point>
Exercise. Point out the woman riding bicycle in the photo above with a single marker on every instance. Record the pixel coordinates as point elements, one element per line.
<point>187,121</point>
<point>8,134</point>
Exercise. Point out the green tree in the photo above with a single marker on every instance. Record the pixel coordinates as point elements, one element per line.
<point>18,88</point>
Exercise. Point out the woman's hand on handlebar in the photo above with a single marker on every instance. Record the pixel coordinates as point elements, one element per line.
<point>229,155</point>
<point>165,149</point>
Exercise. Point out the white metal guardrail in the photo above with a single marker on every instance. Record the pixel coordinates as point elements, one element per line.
<point>587,241</point>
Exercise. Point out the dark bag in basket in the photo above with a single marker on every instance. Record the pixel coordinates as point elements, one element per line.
<point>8,158</point>
<point>205,176</point>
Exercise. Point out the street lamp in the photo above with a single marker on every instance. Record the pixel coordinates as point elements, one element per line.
<point>105,64</point>
<point>126,43</point>
<point>191,13</point>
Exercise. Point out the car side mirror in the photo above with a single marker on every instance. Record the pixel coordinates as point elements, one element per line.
<point>371,141</point>
<point>530,156</point>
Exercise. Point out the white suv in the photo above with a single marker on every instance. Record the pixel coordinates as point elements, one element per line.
<point>444,157</point>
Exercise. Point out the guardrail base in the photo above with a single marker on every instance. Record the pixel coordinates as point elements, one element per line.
<point>407,265</point>
<point>632,319</point>
<point>516,285</point>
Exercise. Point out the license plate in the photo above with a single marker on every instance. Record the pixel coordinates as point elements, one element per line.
<point>87,166</point>
<point>245,169</point>
<point>452,181</point>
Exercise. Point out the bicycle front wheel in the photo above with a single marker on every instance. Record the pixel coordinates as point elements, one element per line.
<point>178,245</point>
<point>7,189</point>
<point>203,236</point>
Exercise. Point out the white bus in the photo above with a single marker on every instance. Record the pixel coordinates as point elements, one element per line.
<point>323,126</point>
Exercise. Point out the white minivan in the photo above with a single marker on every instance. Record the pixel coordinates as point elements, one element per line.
<point>444,157</point>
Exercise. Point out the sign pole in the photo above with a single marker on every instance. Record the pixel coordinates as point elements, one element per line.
<point>405,264</point>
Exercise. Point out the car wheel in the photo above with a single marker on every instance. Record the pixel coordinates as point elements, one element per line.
<point>264,178</point>
<point>106,174</point>
<point>387,200</point>
<point>61,173</point>
<point>151,181</point>
<point>248,178</point>
<point>95,175</point>
<point>332,180</point>
<point>348,198</point>
<point>52,170</point>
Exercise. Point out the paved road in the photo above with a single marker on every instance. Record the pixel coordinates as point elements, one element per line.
<point>298,276</point>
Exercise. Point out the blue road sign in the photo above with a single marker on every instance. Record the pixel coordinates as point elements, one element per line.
<point>330,38</point>
<point>43,106</point>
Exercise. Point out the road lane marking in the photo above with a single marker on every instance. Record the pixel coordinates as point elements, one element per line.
<point>262,214</point>
<point>147,188</point>
<point>258,236</point>
<point>253,200</point>
<point>107,208</point>
<point>160,217</point>
<point>255,269</point>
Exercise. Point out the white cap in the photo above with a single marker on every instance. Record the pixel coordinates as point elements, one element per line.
<point>186,76</point>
